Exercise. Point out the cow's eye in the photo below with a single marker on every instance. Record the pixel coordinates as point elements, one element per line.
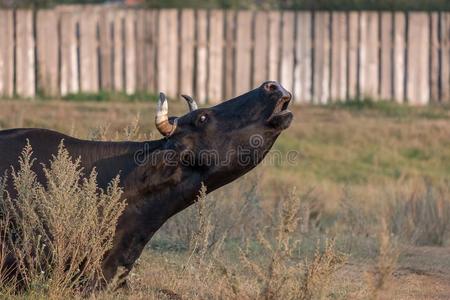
<point>203,119</point>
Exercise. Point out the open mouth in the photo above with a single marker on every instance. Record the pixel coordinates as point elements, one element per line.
<point>281,108</point>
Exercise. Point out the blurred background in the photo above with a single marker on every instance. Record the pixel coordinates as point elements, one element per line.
<point>322,52</point>
<point>256,4</point>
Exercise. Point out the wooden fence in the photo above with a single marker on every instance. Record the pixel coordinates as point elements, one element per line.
<point>215,54</point>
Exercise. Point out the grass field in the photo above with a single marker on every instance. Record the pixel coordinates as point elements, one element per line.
<point>372,182</point>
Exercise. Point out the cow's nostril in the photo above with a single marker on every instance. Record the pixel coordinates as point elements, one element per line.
<point>271,86</point>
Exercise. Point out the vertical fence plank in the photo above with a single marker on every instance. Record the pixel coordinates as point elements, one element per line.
<point>287,51</point>
<point>47,51</point>
<point>260,66</point>
<point>372,69</point>
<point>140,49</point>
<point>187,51</point>
<point>202,56</point>
<point>353,32</point>
<point>368,72</point>
<point>243,52</point>
<point>6,53</point>
<point>105,47</point>
<point>118,51</point>
<point>386,56</point>
<point>339,56</point>
<point>150,49</point>
<point>215,77</point>
<point>445,57</point>
<point>434,63</point>
<point>130,53</point>
<point>25,64</point>
<point>69,57</point>
<point>168,51</point>
<point>230,28</point>
<point>88,51</point>
<point>303,57</point>
<point>322,57</point>
<point>274,44</point>
<point>399,56</point>
<point>362,55</point>
<point>418,59</point>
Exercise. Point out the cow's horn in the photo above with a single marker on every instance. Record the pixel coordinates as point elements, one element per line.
<point>162,118</point>
<point>191,102</point>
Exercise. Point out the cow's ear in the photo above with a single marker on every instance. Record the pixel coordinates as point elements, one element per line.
<point>161,171</point>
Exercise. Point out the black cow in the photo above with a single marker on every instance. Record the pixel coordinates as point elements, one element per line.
<point>160,178</point>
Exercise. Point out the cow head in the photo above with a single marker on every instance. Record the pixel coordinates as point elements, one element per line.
<point>225,141</point>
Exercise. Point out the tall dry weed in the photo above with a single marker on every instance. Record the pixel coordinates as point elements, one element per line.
<point>57,234</point>
<point>283,275</point>
<point>388,252</point>
<point>422,216</point>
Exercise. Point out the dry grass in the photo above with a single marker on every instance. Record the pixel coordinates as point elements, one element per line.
<point>249,240</point>
<point>283,276</point>
<point>58,234</point>
<point>381,277</point>
<point>422,217</point>
<point>276,272</point>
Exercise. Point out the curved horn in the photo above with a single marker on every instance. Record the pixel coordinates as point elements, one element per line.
<point>162,119</point>
<point>191,102</point>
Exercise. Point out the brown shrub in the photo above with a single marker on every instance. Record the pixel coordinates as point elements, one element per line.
<point>57,234</point>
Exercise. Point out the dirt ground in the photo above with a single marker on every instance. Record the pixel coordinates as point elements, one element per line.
<point>421,273</point>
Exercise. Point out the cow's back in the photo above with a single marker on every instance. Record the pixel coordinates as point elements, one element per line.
<point>109,158</point>
<point>43,142</point>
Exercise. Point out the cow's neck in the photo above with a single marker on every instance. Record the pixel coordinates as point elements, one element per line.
<point>153,196</point>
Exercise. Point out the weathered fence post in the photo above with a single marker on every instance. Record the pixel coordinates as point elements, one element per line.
<point>261,48</point>
<point>399,56</point>
<point>445,57</point>
<point>25,62</point>
<point>140,50</point>
<point>69,54</point>
<point>322,58</point>
<point>6,53</point>
<point>201,76</point>
<point>168,51</point>
<point>47,44</point>
<point>353,33</point>
<point>287,50</point>
<point>339,57</point>
<point>230,27</point>
<point>106,49</point>
<point>187,40</point>
<point>274,44</point>
<point>118,50</point>
<point>89,72</point>
<point>130,53</point>
<point>215,63</point>
<point>150,49</point>
<point>386,56</point>
<point>368,71</point>
<point>418,89</point>
<point>303,57</point>
<point>242,75</point>
<point>434,48</point>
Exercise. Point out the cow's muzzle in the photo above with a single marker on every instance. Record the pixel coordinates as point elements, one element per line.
<point>281,116</point>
